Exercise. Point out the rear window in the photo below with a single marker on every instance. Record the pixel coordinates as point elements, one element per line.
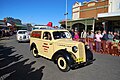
<point>36,34</point>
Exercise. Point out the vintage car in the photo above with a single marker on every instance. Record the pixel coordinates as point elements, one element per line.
<point>23,36</point>
<point>58,46</point>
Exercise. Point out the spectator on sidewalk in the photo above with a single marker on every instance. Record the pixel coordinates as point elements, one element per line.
<point>76,36</point>
<point>104,41</point>
<point>116,37</point>
<point>91,34</point>
<point>110,36</point>
<point>91,39</point>
<point>83,34</point>
<point>72,33</point>
<point>105,36</point>
<point>98,37</point>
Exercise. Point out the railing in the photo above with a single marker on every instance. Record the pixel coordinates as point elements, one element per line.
<point>107,47</point>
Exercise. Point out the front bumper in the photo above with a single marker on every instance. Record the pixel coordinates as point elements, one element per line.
<point>23,38</point>
<point>77,65</point>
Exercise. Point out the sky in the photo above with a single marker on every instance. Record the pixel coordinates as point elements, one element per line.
<point>37,11</point>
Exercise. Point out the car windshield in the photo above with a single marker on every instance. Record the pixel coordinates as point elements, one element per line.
<point>34,28</point>
<point>61,34</point>
<point>22,32</point>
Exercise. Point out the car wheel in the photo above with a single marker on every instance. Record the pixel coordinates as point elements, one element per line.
<point>62,64</point>
<point>89,55</point>
<point>35,52</point>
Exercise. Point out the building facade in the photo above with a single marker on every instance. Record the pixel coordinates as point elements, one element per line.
<point>14,23</point>
<point>95,15</point>
<point>3,25</point>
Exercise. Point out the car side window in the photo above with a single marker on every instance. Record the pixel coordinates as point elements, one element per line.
<point>56,35</point>
<point>36,34</point>
<point>47,36</point>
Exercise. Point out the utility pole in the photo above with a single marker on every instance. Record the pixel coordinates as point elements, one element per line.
<point>66,14</point>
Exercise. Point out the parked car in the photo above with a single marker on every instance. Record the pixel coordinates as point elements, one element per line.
<point>58,46</point>
<point>23,36</point>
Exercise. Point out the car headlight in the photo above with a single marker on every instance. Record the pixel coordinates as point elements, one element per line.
<point>74,49</point>
<point>20,37</point>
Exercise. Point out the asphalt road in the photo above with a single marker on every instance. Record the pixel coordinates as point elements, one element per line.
<point>17,63</point>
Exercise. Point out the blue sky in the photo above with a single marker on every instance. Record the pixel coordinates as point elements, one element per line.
<point>36,11</point>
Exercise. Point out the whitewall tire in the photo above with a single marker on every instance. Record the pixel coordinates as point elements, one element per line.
<point>62,64</point>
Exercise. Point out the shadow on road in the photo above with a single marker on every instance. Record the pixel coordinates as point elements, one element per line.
<point>13,68</point>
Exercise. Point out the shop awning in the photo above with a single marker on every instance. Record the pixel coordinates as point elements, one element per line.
<point>109,16</point>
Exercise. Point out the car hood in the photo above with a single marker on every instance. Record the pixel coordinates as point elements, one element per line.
<point>21,34</point>
<point>67,42</point>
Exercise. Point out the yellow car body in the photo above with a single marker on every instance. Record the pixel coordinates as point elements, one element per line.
<point>59,47</point>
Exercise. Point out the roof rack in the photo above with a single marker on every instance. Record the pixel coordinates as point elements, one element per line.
<point>48,28</point>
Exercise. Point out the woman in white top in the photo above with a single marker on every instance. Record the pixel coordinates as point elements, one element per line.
<point>98,37</point>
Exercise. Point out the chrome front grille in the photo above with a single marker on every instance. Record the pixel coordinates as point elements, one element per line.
<point>24,37</point>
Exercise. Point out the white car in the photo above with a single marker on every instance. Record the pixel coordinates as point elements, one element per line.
<point>23,36</point>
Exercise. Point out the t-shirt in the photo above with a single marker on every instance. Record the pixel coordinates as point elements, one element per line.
<point>83,34</point>
<point>105,37</point>
<point>98,36</point>
<point>76,36</point>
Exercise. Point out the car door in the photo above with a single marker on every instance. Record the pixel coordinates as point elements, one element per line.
<point>47,45</point>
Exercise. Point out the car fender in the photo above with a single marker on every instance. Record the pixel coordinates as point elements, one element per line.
<point>89,54</point>
<point>68,56</point>
<point>32,46</point>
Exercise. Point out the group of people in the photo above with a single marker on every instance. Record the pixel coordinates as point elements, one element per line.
<point>107,38</point>
<point>3,33</point>
<point>97,36</point>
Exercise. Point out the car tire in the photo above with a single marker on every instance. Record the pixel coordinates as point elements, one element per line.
<point>19,42</point>
<point>89,55</point>
<point>34,51</point>
<point>62,64</point>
